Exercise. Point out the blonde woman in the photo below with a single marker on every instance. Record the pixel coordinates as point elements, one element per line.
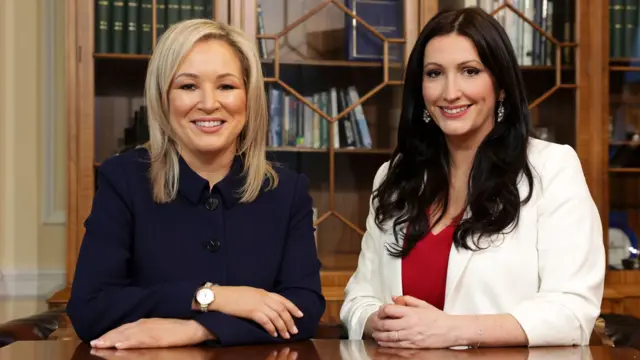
<point>195,237</point>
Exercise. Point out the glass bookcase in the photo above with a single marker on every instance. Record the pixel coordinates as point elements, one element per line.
<point>333,87</point>
<point>543,39</point>
<point>624,136</point>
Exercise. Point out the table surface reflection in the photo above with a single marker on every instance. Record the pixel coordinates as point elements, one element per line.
<point>304,350</point>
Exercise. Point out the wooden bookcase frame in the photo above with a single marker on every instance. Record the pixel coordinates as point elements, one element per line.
<point>591,74</point>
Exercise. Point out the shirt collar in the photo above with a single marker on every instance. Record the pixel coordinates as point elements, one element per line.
<point>194,187</point>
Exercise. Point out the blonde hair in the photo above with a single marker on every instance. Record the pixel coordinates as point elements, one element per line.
<point>173,46</point>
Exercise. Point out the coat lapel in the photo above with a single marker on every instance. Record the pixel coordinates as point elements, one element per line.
<point>458,260</point>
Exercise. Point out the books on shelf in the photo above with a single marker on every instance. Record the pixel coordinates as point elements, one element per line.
<point>294,124</point>
<point>125,26</point>
<point>532,48</point>
<point>623,28</point>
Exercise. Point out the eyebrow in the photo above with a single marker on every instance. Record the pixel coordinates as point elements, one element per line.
<point>460,64</point>
<point>195,76</point>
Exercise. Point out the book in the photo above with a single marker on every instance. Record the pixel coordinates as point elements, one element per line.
<point>383,15</point>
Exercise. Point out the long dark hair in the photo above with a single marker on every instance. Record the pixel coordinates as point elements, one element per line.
<point>499,163</point>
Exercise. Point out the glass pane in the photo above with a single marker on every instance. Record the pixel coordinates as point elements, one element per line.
<point>335,64</point>
<point>552,111</point>
<point>556,18</point>
<point>354,180</point>
<point>317,59</point>
<point>120,115</point>
<point>624,164</point>
<point>624,136</point>
<point>316,167</point>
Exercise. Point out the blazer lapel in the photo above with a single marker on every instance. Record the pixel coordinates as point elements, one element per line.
<point>458,260</point>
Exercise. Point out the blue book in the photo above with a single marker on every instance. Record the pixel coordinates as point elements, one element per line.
<point>383,15</point>
<point>275,117</point>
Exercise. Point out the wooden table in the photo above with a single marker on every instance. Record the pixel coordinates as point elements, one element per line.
<point>306,350</point>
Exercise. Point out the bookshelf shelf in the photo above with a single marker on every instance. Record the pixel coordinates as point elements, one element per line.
<point>121,56</point>
<point>544,68</point>
<point>332,63</point>
<point>624,170</point>
<point>623,60</point>
<point>624,68</point>
<point>624,143</point>
<point>337,151</point>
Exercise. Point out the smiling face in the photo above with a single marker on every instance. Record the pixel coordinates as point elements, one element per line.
<point>207,100</point>
<point>457,89</point>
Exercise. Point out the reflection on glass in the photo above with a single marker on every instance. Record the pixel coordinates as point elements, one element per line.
<point>297,123</point>
<point>624,166</point>
<point>324,80</point>
<point>532,48</point>
<point>332,94</point>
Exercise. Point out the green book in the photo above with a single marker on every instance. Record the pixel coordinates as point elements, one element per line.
<point>118,18</point>
<point>161,17</point>
<point>103,10</point>
<point>208,8</point>
<point>173,12</point>
<point>146,23</point>
<point>617,28</point>
<point>132,33</point>
<point>186,9</point>
<point>630,28</point>
<point>199,10</point>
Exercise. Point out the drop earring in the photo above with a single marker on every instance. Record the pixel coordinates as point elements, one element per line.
<point>500,112</point>
<point>425,116</point>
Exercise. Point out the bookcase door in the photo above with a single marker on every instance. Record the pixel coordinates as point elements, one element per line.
<point>624,140</point>
<point>542,36</point>
<point>333,74</point>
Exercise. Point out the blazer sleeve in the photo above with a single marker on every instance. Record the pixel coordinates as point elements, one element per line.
<point>298,280</point>
<point>363,295</point>
<point>571,258</point>
<point>102,294</point>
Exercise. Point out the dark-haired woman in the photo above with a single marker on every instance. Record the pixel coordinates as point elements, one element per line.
<point>478,234</point>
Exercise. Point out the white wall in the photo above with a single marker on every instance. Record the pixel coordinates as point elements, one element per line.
<point>32,153</point>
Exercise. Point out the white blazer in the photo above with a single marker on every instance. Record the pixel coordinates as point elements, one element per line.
<point>548,272</point>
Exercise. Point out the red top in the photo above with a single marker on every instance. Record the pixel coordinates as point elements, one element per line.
<point>424,270</point>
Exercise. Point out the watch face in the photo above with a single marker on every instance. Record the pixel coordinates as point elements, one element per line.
<point>204,296</point>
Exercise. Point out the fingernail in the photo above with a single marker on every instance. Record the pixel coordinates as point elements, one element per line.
<point>275,334</point>
<point>96,343</point>
<point>300,314</point>
<point>118,345</point>
<point>286,335</point>
<point>295,329</point>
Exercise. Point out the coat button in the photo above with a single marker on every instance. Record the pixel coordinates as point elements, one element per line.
<point>213,245</point>
<point>211,204</point>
